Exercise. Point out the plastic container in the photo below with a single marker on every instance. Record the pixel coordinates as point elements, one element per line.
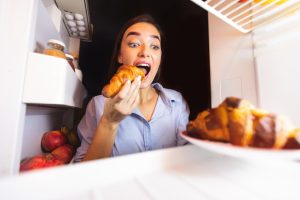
<point>70,60</point>
<point>55,48</point>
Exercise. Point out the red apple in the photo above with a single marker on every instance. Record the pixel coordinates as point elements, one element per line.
<point>64,153</point>
<point>39,162</point>
<point>33,163</point>
<point>53,161</point>
<point>52,139</point>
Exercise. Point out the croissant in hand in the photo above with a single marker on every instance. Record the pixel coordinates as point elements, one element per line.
<point>124,73</point>
<point>237,121</point>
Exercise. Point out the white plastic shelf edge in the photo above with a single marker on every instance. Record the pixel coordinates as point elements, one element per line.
<point>51,81</point>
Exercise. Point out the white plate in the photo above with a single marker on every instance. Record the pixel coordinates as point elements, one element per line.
<point>243,152</point>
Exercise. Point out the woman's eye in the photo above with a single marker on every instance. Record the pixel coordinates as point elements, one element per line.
<point>133,44</point>
<point>155,47</point>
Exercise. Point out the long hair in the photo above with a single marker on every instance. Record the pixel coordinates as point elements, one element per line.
<point>114,65</point>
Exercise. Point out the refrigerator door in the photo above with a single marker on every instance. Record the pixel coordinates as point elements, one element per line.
<point>25,29</point>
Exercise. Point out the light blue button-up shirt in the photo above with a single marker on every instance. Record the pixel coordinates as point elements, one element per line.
<point>135,134</point>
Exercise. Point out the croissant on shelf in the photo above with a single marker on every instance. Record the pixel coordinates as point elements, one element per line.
<point>124,73</point>
<point>238,122</point>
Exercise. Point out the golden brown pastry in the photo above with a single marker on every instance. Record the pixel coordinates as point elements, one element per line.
<point>124,73</point>
<point>237,121</point>
<point>210,124</point>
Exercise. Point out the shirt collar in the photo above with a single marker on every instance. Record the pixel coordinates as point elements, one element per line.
<point>167,96</point>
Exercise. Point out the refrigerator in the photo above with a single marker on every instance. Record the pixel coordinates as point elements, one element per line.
<point>39,92</point>
<point>254,54</point>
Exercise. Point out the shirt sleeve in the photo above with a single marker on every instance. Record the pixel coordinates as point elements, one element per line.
<point>183,120</point>
<point>87,127</point>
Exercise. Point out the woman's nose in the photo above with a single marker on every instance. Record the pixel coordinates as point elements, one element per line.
<point>144,51</point>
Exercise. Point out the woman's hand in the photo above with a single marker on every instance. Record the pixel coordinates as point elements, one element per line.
<point>115,109</point>
<point>122,104</point>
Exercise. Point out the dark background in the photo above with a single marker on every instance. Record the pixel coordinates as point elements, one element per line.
<point>186,62</point>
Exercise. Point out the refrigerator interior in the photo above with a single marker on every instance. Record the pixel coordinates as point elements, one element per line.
<point>261,65</point>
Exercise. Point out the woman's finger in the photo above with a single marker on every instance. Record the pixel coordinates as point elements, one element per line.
<point>136,101</point>
<point>123,92</point>
<point>135,87</point>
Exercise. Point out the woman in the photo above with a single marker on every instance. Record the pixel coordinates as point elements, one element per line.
<point>143,116</point>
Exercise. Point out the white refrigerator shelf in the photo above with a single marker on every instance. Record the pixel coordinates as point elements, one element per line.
<point>186,172</point>
<point>246,15</point>
<point>51,81</point>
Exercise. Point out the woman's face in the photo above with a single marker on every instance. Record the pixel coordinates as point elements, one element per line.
<point>141,46</point>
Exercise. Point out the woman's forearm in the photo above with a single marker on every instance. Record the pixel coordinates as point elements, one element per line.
<point>103,140</point>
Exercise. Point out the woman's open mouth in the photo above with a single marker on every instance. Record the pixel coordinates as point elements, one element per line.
<point>145,67</point>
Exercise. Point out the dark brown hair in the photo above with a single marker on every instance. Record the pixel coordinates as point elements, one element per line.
<point>114,65</point>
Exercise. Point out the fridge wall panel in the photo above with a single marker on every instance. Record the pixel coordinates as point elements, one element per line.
<point>56,16</point>
<point>1,8</point>
<point>277,48</point>
<point>45,29</point>
<point>278,78</point>
<point>17,23</point>
<point>231,62</point>
<point>35,126</point>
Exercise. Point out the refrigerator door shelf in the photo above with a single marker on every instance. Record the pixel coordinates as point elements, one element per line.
<point>51,81</point>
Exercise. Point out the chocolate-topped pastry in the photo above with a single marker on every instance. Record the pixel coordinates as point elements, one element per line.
<point>237,121</point>
<point>211,124</point>
<point>293,140</point>
<point>264,131</point>
<point>233,102</point>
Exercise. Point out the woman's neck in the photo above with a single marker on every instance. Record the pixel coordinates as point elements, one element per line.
<point>148,100</point>
<point>147,94</point>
